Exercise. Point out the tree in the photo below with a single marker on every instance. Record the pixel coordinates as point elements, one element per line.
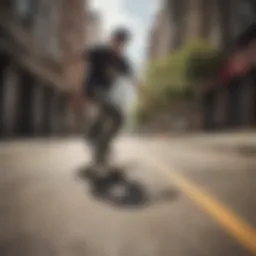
<point>203,62</point>
<point>176,77</point>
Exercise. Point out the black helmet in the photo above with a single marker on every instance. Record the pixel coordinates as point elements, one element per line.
<point>121,34</point>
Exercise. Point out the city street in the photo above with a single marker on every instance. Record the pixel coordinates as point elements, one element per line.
<point>183,200</point>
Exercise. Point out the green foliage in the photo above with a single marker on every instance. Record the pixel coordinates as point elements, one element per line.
<point>175,78</point>
<point>203,62</point>
<point>141,115</point>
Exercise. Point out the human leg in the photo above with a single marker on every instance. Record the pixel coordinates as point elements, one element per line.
<point>113,121</point>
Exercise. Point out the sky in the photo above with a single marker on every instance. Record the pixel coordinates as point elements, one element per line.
<point>137,15</point>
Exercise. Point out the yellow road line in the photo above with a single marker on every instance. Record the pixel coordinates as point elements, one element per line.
<point>236,226</point>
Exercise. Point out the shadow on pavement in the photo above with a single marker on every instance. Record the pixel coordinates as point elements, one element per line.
<point>117,189</point>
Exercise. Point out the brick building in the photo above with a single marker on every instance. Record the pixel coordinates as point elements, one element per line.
<point>153,41</point>
<point>181,20</point>
<point>41,65</point>
<point>159,36</point>
<point>229,102</point>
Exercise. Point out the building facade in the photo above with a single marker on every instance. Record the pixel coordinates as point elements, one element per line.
<point>40,65</point>
<point>228,102</point>
<point>218,21</point>
<point>231,102</point>
<point>159,36</point>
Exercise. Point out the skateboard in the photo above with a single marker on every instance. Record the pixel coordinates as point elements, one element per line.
<point>112,173</point>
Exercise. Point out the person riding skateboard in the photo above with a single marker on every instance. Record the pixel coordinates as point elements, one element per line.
<point>105,63</point>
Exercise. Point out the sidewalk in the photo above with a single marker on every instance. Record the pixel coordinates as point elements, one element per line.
<point>236,142</point>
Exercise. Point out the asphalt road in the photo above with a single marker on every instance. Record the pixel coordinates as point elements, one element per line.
<point>177,200</point>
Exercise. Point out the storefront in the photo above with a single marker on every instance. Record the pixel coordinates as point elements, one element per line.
<point>238,68</point>
<point>231,103</point>
<point>241,83</point>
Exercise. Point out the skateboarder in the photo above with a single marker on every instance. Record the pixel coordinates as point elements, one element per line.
<point>104,64</point>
